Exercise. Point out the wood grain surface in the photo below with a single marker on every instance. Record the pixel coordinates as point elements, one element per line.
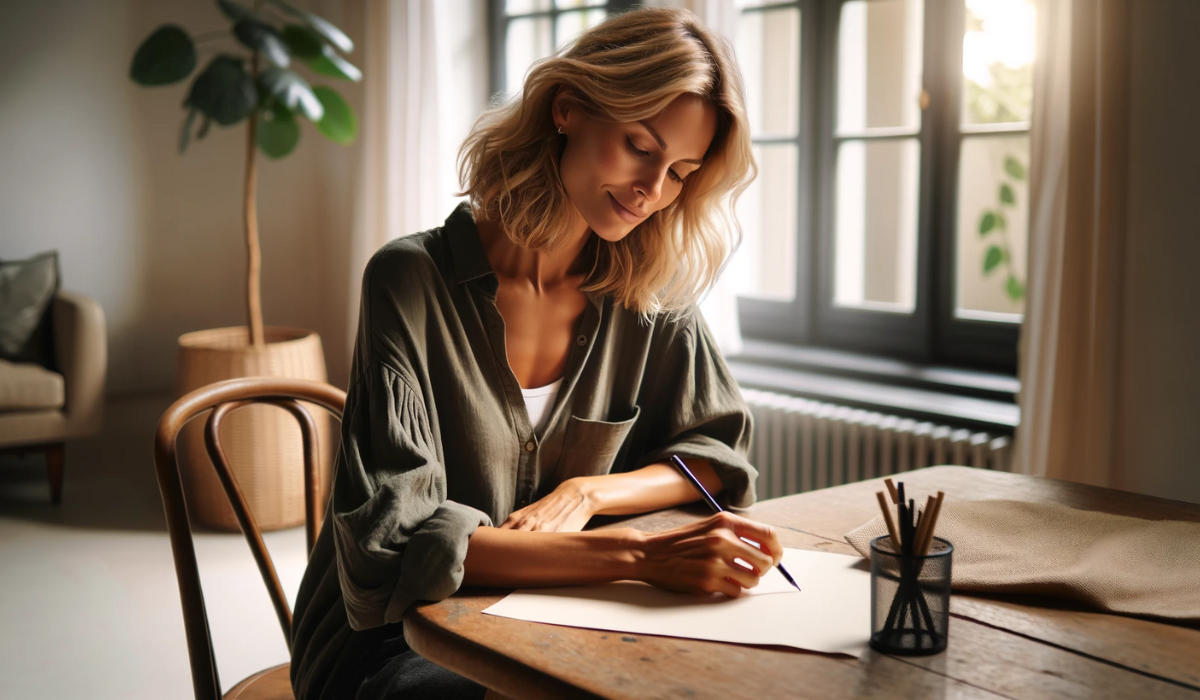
<point>999,647</point>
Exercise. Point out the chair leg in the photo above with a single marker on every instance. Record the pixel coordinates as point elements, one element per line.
<point>54,464</point>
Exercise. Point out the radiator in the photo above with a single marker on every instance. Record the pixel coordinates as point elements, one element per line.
<point>801,445</point>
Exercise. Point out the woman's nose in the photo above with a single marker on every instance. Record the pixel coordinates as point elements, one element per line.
<point>650,184</point>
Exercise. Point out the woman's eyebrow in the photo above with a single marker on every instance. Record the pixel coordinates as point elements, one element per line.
<point>663,144</point>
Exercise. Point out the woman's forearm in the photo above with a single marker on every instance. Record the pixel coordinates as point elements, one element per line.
<point>650,488</point>
<point>517,558</point>
<point>722,553</point>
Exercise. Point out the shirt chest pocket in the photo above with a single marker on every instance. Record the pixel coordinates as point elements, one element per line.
<point>591,447</point>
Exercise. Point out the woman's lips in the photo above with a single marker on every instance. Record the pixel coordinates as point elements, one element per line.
<point>626,215</point>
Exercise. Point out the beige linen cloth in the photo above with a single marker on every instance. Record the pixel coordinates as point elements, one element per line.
<point>1110,562</point>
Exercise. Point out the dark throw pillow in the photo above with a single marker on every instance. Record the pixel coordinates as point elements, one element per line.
<point>26,289</point>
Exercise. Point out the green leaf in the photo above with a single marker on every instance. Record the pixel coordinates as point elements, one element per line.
<point>319,25</point>
<point>987,223</point>
<point>224,92</point>
<point>992,258</point>
<point>292,90</point>
<point>203,130</point>
<point>1015,288</point>
<point>237,11</point>
<point>1001,222</point>
<point>1007,196</point>
<point>263,37</point>
<point>278,132</point>
<point>331,64</point>
<point>338,124</point>
<point>185,132</point>
<point>1013,167</point>
<point>304,42</point>
<point>166,56</point>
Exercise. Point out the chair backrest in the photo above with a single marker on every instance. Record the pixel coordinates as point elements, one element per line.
<point>223,398</point>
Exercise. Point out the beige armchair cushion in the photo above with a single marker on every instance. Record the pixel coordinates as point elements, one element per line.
<point>81,350</point>
<point>28,387</point>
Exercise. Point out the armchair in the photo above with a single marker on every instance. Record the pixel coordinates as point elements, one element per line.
<point>40,410</point>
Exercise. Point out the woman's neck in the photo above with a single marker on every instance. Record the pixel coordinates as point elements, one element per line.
<point>541,268</point>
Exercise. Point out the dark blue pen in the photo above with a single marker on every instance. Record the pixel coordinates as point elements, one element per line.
<point>712,503</point>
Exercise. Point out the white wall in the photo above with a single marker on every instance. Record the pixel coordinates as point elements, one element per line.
<point>1158,421</point>
<point>90,167</point>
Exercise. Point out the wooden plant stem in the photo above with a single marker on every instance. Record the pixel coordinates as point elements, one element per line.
<point>253,254</point>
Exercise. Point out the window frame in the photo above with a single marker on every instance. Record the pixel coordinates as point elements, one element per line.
<point>498,33</point>
<point>790,321</point>
<point>931,334</point>
<point>899,335</point>
<point>977,343</point>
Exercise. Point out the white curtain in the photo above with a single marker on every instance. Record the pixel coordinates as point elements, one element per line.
<point>425,82</point>
<point>1071,333</point>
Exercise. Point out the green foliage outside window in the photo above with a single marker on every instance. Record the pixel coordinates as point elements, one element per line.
<point>994,224</point>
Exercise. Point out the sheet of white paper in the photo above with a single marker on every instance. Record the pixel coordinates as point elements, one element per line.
<point>831,613</point>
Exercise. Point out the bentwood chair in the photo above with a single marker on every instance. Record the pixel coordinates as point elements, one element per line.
<point>224,398</point>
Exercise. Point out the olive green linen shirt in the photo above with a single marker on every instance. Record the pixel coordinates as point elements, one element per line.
<point>436,440</point>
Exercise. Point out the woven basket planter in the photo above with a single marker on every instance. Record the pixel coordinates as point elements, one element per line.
<point>263,443</point>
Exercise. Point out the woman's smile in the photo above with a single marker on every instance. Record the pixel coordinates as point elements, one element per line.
<point>626,214</point>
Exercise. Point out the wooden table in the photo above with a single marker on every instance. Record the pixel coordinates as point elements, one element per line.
<point>999,646</point>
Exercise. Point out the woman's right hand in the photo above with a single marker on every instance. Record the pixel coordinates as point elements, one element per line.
<point>699,558</point>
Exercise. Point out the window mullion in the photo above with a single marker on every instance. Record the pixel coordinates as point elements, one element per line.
<point>781,320</point>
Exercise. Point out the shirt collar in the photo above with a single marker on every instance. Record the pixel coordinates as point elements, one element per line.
<point>466,250</point>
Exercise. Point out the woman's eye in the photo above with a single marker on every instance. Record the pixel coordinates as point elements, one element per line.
<point>640,152</point>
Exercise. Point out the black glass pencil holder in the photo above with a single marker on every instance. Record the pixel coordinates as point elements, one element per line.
<point>910,598</point>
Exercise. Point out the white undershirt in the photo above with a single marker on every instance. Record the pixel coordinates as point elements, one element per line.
<point>539,401</point>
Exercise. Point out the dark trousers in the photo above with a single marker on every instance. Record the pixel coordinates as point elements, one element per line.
<point>379,665</point>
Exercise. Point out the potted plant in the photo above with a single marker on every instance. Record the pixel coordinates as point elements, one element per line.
<point>252,77</point>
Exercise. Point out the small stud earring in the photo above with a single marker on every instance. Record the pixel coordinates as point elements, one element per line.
<point>560,130</point>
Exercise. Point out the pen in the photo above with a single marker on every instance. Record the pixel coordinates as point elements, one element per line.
<point>712,503</point>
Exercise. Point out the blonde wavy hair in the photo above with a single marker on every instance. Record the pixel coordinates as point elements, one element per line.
<point>627,69</point>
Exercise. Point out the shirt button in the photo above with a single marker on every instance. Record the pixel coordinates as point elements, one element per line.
<point>529,446</point>
<point>581,340</point>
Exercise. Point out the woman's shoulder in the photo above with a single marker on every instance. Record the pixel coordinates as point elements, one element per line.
<point>404,282</point>
<point>418,253</point>
<point>664,328</point>
<point>406,265</point>
<point>678,323</point>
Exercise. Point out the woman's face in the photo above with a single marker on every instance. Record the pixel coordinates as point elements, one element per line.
<point>617,174</point>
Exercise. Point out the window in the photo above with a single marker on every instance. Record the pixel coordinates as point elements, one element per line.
<point>892,138</point>
<point>908,223</point>
<point>524,31</point>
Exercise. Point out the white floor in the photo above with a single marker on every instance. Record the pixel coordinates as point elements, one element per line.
<point>89,605</point>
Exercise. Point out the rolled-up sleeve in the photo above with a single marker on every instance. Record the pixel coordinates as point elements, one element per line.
<point>398,539</point>
<point>706,415</point>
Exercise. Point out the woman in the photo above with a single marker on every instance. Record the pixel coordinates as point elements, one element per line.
<point>536,361</point>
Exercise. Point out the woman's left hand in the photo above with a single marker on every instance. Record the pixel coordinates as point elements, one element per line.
<point>565,509</point>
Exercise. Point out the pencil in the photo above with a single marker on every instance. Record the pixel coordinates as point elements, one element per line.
<point>891,487</point>
<point>923,524</point>
<point>716,507</point>
<point>887,518</point>
<point>933,518</point>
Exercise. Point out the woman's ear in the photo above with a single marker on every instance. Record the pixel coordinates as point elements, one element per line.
<point>561,107</point>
